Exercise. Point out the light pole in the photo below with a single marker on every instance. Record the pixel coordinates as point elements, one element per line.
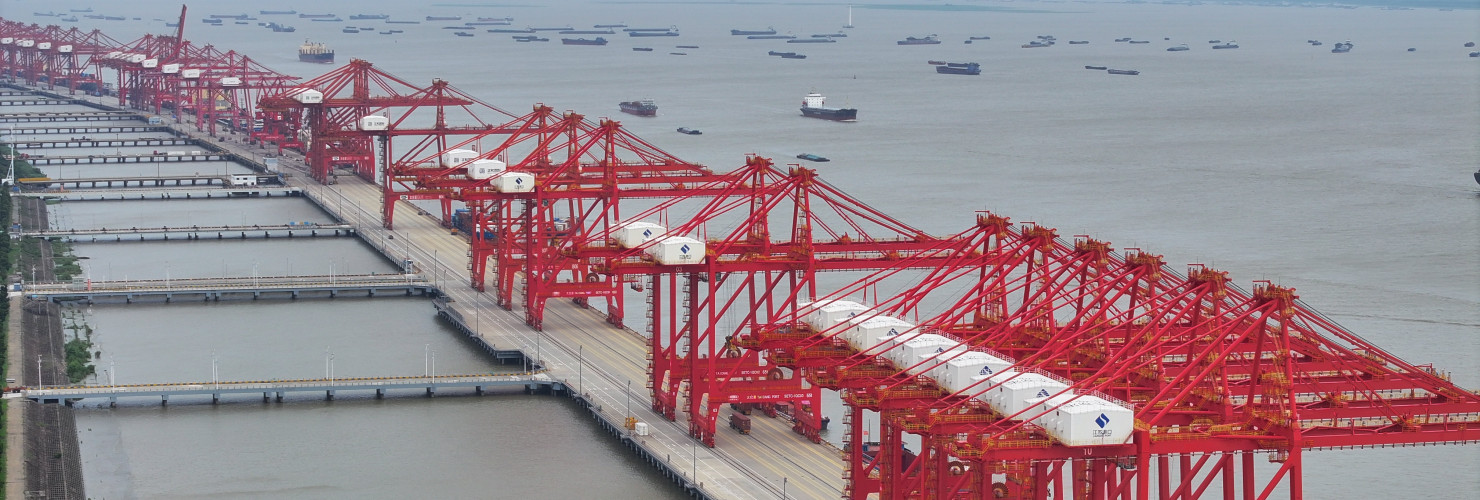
<point>426,362</point>
<point>38,370</point>
<point>215,371</point>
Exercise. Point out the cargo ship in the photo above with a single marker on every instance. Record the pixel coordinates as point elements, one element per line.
<point>642,49</point>
<point>812,157</point>
<point>1097,68</point>
<point>496,19</point>
<point>618,25</point>
<point>924,40</point>
<point>970,68</point>
<point>641,107</point>
<point>770,37</point>
<point>812,107</point>
<point>509,30</point>
<point>315,52</point>
<point>281,28</point>
<point>276,12</point>
<point>1230,45</point>
<point>767,31</point>
<point>530,38</point>
<point>812,40</point>
<point>1342,47</point>
<point>588,32</point>
<point>652,33</point>
<point>356,17</point>
<point>444,18</point>
<point>554,28</point>
<point>793,55</point>
<point>316,16</point>
<point>690,131</point>
<point>583,41</point>
<point>1178,48</point>
<point>1122,72</point>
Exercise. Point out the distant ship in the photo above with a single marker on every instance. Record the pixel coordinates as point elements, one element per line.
<point>641,107</point>
<point>444,18</point>
<point>350,30</point>
<point>281,28</point>
<point>1078,42</point>
<point>767,31</point>
<point>812,107</point>
<point>1230,45</point>
<point>812,40</point>
<point>369,16</point>
<point>959,69</point>
<point>812,157</point>
<point>510,30</point>
<point>1099,68</point>
<point>831,35</point>
<point>642,49</point>
<point>496,19</point>
<point>315,52</point>
<point>980,38</point>
<point>782,54</point>
<point>530,38</point>
<point>1342,47</point>
<point>583,41</point>
<point>617,25</point>
<point>463,33</point>
<point>588,32</point>
<point>793,55</point>
<point>1178,48</point>
<point>652,33</point>
<point>770,37</point>
<point>924,40</point>
<point>315,16</point>
<point>392,21</point>
<point>1122,72</point>
<point>276,12</point>
<point>690,131</point>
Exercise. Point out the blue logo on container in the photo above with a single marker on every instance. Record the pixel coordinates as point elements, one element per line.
<point>940,349</point>
<point>892,332</point>
<point>684,249</point>
<point>986,370</point>
<point>647,233</point>
<point>1102,420</point>
<point>1043,393</point>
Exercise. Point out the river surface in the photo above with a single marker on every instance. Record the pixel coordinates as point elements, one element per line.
<point>1345,176</point>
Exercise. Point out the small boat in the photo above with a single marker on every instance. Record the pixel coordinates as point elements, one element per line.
<point>1469,44</point>
<point>980,38</point>
<point>812,157</point>
<point>388,32</point>
<point>356,17</point>
<point>690,131</point>
<point>463,33</point>
<point>1215,41</point>
<point>1475,54</point>
<point>73,19</point>
<point>777,53</point>
<point>937,63</point>
<point>588,32</point>
<point>1122,72</point>
<point>1140,41</point>
<point>504,19</point>
<point>652,33</point>
<point>770,37</point>
<point>276,12</point>
<point>1035,44</point>
<point>793,55</point>
<point>89,9</point>
<point>1097,68</point>
<point>1411,49</point>
<point>350,30</point>
<point>640,107</point>
<point>1178,48</point>
<point>923,40</point>
<point>685,46</point>
<point>1078,42</point>
<point>642,49</point>
<point>812,40</point>
<point>1315,43</point>
<point>509,30</point>
<point>1230,45</point>
<point>767,31</point>
<point>583,41</point>
<point>444,18</point>
<point>678,53</point>
<point>403,22</point>
<point>1126,39</point>
<point>1342,47</point>
<point>830,35</point>
<point>530,38</point>
<point>556,28</point>
<point>618,25</point>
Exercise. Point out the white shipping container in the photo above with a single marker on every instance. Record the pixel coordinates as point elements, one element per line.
<point>456,157</point>
<point>869,331</point>
<point>65,49</point>
<point>170,69</point>
<point>824,316</point>
<point>7,40</point>
<point>514,182</point>
<point>150,63</point>
<point>136,58</point>
<point>677,250</point>
<point>929,358</point>
<point>231,81</point>
<point>189,73</point>
<point>26,43</point>
<point>959,371</point>
<point>634,233</point>
<point>485,169</point>
<point>640,428</point>
<point>307,96</point>
<point>1089,421</point>
<point>1012,395</point>
<point>372,122</point>
<point>43,45</point>
<point>907,352</point>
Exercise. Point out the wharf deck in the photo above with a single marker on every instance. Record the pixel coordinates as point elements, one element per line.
<point>164,193</point>
<point>86,142</point>
<point>195,232</point>
<point>139,158</point>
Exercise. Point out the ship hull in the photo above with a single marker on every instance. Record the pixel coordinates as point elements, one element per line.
<point>834,114</point>
<point>326,58</point>
<point>640,110</point>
